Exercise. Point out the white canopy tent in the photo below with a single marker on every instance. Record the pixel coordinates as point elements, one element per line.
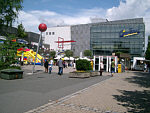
<point>58,57</point>
<point>66,58</point>
<point>71,58</point>
<point>86,58</point>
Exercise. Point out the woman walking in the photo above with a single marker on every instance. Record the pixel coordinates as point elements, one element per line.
<point>101,68</point>
<point>46,66</point>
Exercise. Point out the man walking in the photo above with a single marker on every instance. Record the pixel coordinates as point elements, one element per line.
<point>101,68</point>
<point>113,67</point>
<point>60,65</point>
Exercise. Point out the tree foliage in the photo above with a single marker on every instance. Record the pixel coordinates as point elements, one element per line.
<point>8,51</point>
<point>68,53</point>
<point>87,53</point>
<point>52,53</point>
<point>9,10</point>
<point>21,32</point>
<point>147,54</point>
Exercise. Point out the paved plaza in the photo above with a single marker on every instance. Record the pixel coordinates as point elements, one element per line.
<point>125,92</point>
<point>50,93</point>
<point>40,88</point>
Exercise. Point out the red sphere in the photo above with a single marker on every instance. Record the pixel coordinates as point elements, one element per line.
<point>42,27</point>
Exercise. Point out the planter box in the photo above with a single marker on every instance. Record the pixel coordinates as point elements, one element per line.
<point>94,73</point>
<point>79,75</point>
<point>10,74</point>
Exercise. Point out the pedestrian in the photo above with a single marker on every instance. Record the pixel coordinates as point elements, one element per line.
<point>51,62</point>
<point>50,69</point>
<point>113,67</point>
<point>148,67</point>
<point>50,65</point>
<point>101,68</point>
<point>145,67</point>
<point>46,66</point>
<point>60,66</point>
<point>64,64</point>
<point>74,64</point>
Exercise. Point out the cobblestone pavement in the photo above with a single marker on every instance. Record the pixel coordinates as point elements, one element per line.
<point>100,98</point>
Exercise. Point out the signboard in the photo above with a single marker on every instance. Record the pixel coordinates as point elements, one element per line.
<point>130,32</point>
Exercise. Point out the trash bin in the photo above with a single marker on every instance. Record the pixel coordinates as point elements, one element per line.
<point>119,68</point>
<point>10,74</point>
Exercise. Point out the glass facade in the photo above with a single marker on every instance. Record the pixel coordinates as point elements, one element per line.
<point>111,37</point>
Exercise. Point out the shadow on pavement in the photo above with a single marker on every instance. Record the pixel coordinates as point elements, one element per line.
<point>142,79</point>
<point>136,101</point>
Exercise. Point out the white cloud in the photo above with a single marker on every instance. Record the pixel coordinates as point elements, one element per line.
<point>129,9</point>
<point>32,19</point>
<point>132,9</point>
<point>125,10</point>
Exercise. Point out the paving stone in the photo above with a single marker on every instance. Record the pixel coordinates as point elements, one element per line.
<point>97,99</point>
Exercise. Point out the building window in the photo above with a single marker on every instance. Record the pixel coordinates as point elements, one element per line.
<point>49,33</point>
<point>46,33</point>
<point>53,33</point>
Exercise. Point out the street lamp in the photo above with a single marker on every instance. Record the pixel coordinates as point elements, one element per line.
<point>42,27</point>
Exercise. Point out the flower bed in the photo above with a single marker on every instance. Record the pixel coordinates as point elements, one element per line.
<point>94,73</point>
<point>83,74</point>
<point>79,74</point>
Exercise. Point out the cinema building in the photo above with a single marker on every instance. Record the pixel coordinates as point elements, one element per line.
<point>126,36</point>
<point>103,38</point>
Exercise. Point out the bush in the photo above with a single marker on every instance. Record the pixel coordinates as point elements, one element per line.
<point>4,65</point>
<point>83,65</point>
<point>15,67</point>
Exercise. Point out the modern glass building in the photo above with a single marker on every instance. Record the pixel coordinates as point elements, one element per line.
<point>126,36</point>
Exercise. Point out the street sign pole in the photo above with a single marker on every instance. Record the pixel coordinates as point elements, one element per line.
<point>37,52</point>
<point>42,28</point>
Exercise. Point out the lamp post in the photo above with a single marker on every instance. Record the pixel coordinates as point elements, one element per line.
<point>42,28</point>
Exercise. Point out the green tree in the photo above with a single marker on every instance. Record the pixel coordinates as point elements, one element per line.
<point>68,53</point>
<point>8,51</point>
<point>9,10</point>
<point>52,53</point>
<point>88,53</point>
<point>21,32</point>
<point>147,54</point>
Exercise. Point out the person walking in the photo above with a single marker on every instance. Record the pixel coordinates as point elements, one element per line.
<point>74,64</point>
<point>145,67</point>
<point>46,66</point>
<point>50,65</point>
<point>50,69</point>
<point>148,66</point>
<point>101,68</point>
<point>60,66</point>
<point>113,67</point>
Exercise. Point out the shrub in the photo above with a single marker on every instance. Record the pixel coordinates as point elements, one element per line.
<point>83,64</point>
<point>7,66</point>
<point>15,67</point>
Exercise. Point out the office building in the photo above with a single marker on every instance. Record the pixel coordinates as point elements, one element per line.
<point>102,38</point>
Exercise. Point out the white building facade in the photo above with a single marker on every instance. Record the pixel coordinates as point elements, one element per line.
<point>60,33</point>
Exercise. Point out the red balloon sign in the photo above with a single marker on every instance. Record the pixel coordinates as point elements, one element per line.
<point>42,27</point>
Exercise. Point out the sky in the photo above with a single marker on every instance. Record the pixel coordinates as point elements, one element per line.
<point>71,12</point>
